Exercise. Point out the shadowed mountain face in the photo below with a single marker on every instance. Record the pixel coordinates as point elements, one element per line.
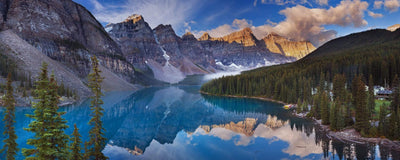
<point>168,56</point>
<point>66,32</point>
<point>179,123</point>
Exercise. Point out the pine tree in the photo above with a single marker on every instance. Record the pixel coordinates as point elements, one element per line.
<point>76,145</point>
<point>340,114</point>
<point>371,97</point>
<point>57,124</point>
<point>333,116</point>
<point>382,119</point>
<point>394,108</point>
<point>97,140</point>
<point>10,145</point>
<point>39,125</point>
<point>359,101</point>
<point>324,108</point>
<point>299,106</point>
<point>50,141</point>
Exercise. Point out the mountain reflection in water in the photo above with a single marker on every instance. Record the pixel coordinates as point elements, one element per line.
<point>179,123</point>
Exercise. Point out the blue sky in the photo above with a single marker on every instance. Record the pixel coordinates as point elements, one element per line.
<point>313,20</point>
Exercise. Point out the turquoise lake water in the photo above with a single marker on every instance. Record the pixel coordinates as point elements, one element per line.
<point>179,123</point>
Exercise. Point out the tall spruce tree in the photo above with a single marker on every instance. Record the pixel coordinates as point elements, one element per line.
<point>371,97</point>
<point>394,109</point>
<point>97,140</point>
<point>324,108</point>
<point>76,145</point>
<point>333,116</point>
<point>359,100</point>
<point>50,141</point>
<point>39,126</point>
<point>382,120</point>
<point>10,144</point>
<point>57,125</point>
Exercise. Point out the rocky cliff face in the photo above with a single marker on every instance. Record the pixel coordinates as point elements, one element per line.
<point>393,27</point>
<point>170,58</point>
<point>64,31</point>
<point>160,51</point>
<point>240,50</point>
<point>281,45</point>
<point>136,40</point>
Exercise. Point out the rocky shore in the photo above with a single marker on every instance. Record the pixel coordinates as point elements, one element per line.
<point>349,135</point>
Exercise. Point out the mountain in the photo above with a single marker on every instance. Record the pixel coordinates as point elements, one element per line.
<point>157,52</point>
<point>393,27</point>
<point>354,41</point>
<point>170,58</point>
<point>281,45</point>
<point>374,52</point>
<point>66,32</point>
<point>67,35</point>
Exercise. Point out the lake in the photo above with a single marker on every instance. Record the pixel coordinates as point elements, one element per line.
<point>178,122</point>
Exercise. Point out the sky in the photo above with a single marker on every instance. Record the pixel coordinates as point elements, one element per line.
<point>312,20</point>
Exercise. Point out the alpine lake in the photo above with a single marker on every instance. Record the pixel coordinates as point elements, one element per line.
<point>179,123</point>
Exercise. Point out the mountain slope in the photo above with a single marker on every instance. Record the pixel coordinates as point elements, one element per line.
<point>66,32</point>
<point>22,52</point>
<point>353,41</point>
<point>374,52</point>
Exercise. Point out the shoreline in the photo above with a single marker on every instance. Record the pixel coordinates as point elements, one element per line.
<point>251,97</point>
<point>346,135</point>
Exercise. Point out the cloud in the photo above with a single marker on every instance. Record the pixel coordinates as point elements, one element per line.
<point>374,15</point>
<point>378,4</point>
<point>392,5</point>
<point>304,23</point>
<point>225,29</point>
<point>155,12</point>
<point>187,26</point>
<point>97,5</point>
<point>322,2</point>
<point>283,2</point>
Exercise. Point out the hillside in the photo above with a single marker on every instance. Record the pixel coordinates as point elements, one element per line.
<point>374,52</point>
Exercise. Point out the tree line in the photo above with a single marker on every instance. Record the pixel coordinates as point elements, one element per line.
<point>329,87</point>
<point>48,126</point>
<point>25,85</point>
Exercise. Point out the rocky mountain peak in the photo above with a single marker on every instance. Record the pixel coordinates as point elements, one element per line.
<point>281,45</point>
<point>188,36</point>
<point>244,37</point>
<point>393,27</point>
<point>274,36</point>
<point>164,28</point>
<point>205,37</point>
<point>134,18</point>
<point>129,27</point>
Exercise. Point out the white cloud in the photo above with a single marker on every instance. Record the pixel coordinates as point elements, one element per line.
<point>284,2</point>
<point>392,5</point>
<point>378,4</point>
<point>155,12</point>
<point>225,29</point>
<point>304,23</point>
<point>322,2</point>
<point>97,5</point>
<point>374,15</point>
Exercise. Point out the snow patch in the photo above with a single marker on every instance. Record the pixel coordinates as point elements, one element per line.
<point>167,73</point>
<point>108,28</point>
